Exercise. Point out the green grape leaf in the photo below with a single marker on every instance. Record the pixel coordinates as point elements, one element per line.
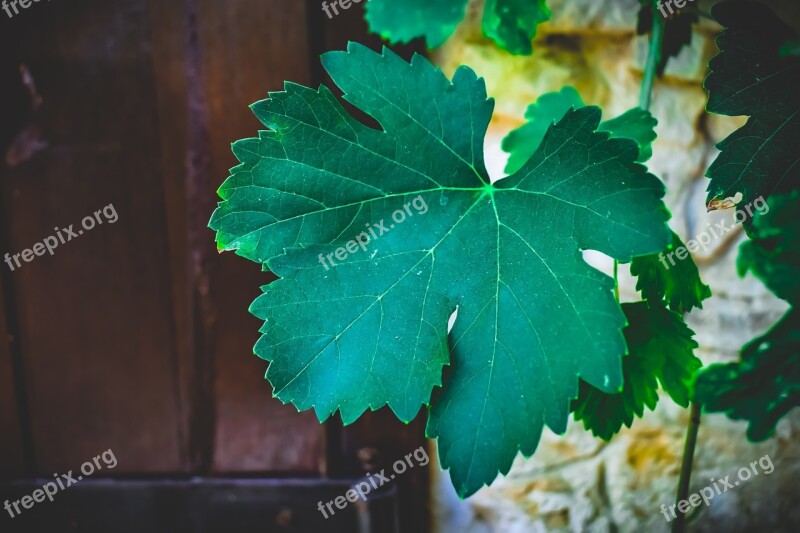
<point>549,108</point>
<point>511,24</point>
<point>762,387</point>
<point>661,349</point>
<point>750,77</point>
<point>379,235</point>
<point>677,29</point>
<point>773,252</point>
<point>400,22</point>
<point>635,124</point>
<point>668,278</point>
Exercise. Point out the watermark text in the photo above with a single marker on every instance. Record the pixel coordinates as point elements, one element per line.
<point>376,231</point>
<point>717,487</point>
<point>373,482</point>
<point>62,482</point>
<point>62,236</point>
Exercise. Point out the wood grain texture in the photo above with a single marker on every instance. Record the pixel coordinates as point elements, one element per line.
<point>15,108</point>
<point>169,39</point>
<point>11,457</point>
<point>136,335</point>
<point>95,322</point>
<point>249,47</point>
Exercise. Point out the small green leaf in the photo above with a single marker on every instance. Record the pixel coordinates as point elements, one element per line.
<point>773,252</point>
<point>761,388</point>
<point>400,22</point>
<point>635,124</point>
<point>666,277</point>
<point>661,349</point>
<point>349,328</point>
<point>548,109</point>
<point>749,77</point>
<point>512,23</point>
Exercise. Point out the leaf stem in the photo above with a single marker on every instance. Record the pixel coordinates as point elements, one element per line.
<point>646,93</point>
<point>653,57</point>
<point>679,524</point>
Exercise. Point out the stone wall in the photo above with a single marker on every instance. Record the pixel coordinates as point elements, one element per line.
<point>576,482</point>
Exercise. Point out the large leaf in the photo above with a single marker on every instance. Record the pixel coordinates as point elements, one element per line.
<point>369,327</point>
<point>667,277</point>
<point>661,350</point>
<point>510,23</point>
<point>763,386</point>
<point>635,124</point>
<point>750,77</point>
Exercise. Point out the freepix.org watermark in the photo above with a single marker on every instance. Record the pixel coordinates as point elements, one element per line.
<point>679,4</point>
<point>717,487</point>
<point>62,236</point>
<point>375,232</point>
<point>713,232</point>
<point>62,482</point>
<point>344,4</point>
<point>372,482</point>
<point>9,5</point>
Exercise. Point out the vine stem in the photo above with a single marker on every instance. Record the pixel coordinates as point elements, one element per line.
<point>679,524</point>
<point>653,57</point>
<point>645,98</point>
<point>646,92</point>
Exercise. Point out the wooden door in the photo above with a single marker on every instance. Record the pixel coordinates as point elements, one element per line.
<point>135,336</point>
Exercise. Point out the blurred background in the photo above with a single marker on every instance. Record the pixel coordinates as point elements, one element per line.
<point>135,336</point>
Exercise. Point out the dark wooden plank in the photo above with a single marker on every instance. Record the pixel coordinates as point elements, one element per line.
<point>16,109</point>
<point>249,47</point>
<point>199,506</point>
<point>168,28</point>
<point>95,327</point>
<point>11,458</point>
